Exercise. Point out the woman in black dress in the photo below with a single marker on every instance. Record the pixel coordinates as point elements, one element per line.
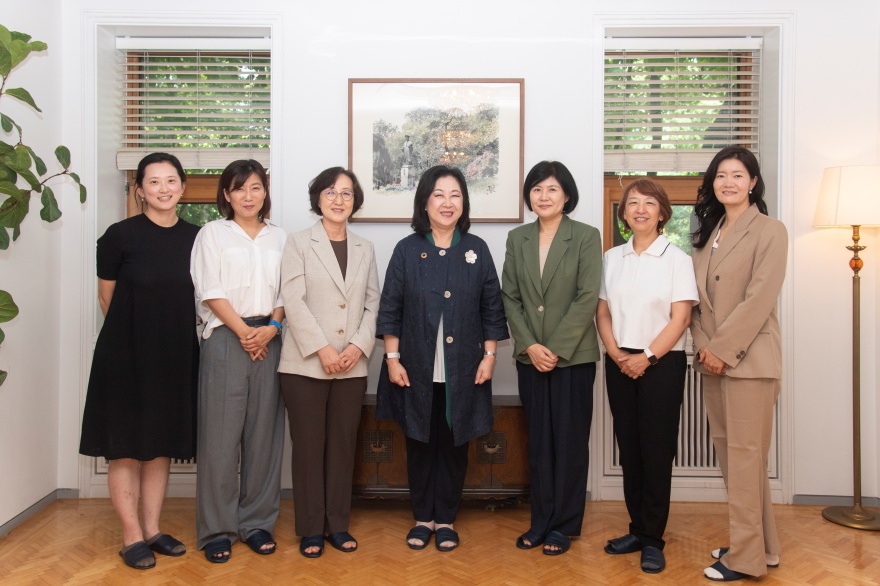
<point>140,408</point>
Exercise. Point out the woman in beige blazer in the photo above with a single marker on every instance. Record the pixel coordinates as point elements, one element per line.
<point>739,261</point>
<point>330,289</point>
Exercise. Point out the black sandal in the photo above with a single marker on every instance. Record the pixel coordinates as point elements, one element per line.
<point>444,534</point>
<point>422,533</point>
<point>138,556</point>
<point>166,545</point>
<point>559,540</point>
<point>338,540</point>
<point>258,539</point>
<point>218,551</point>
<point>534,540</point>
<point>312,541</point>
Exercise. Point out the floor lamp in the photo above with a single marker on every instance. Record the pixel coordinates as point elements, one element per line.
<point>848,198</point>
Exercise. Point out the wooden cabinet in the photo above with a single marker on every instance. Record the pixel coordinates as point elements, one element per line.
<point>497,461</point>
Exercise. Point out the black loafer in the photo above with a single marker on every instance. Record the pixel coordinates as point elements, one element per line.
<point>626,544</point>
<point>653,560</point>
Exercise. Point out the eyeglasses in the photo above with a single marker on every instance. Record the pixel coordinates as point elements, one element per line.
<point>332,195</point>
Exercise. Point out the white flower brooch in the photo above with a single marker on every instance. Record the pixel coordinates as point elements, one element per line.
<point>470,256</point>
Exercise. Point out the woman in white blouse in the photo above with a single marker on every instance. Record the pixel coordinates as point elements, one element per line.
<point>645,300</point>
<point>236,269</point>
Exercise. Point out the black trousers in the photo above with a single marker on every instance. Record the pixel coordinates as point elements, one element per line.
<point>436,469</point>
<point>646,414</point>
<point>559,410</point>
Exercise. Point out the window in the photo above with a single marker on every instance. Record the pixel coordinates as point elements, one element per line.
<point>670,105</point>
<point>208,108</point>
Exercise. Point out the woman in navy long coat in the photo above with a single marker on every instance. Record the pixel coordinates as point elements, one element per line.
<point>440,316</point>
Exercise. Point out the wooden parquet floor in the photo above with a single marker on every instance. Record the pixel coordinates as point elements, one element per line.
<point>76,542</point>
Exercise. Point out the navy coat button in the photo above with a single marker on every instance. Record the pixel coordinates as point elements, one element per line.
<point>447,294</point>
<point>442,253</point>
<point>449,339</point>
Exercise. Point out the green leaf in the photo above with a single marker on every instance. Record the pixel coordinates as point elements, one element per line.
<point>5,61</point>
<point>82,193</point>
<point>62,153</point>
<point>41,166</point>
<point>6,123</point>
<point>8,308</point>
<point>14,210</point>
<point>7,175</point>
<point>5,35</point>
<point>28,176</point>
<point>17,36</point>
<point>37,46</point>
<point>75,177</point>
<point>4,238</point>
<point>18,160</point>
<point>2,337</point>
<point>50,211</point>
<point>9,188</point>
<point>19,51</point>
<point>23,95</point>
<point>3,374</point>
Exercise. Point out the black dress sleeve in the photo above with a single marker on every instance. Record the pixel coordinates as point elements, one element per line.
<point>111,253</point>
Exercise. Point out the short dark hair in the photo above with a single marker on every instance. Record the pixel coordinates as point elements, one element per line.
<point>545,170</point>
<point>327,178</point>
<point>708,209</point>
<point>234,176</point>
<point>420,221</point>
<point>652,189</point>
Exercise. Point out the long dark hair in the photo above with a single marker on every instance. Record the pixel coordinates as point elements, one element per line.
<point>420,221</point>
<point>708,209</point>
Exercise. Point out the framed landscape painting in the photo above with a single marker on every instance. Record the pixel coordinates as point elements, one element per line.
<point>398,128</point>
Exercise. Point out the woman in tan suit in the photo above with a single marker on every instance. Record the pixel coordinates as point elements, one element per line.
<point>739,260</point>
<point>330,289</point>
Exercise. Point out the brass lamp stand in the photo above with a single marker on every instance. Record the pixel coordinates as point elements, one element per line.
<point>847,198</point>
<point>855,516</point>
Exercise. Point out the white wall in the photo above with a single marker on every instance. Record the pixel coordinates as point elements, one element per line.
<point>550,44</point>
<point>29,270</point>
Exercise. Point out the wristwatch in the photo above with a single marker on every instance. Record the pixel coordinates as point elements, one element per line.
<point>392,355</point>
<point>652,360</point>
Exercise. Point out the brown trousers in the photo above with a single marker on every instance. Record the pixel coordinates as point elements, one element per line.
<point>324,416</point>
<point>740,412</point>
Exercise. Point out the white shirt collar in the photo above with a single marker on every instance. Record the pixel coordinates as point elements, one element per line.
<point>657,248</point>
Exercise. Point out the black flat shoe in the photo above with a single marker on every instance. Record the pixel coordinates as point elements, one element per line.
<point>653,561</point>
<point>725,573</point>
<point>719,553</point>
<point>626,544</point>
<point>534,540</point>
<point>258,539</point>
<point>421,532</point>
<point>138,556</point>
<point>218,551</point>
<point>444,534</point>
<point>312,541</point>
<point>559,540</point>
<point>338,541</point>
<point>166,545</point>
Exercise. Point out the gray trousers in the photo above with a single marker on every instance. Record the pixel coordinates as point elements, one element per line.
<point>241,420</point>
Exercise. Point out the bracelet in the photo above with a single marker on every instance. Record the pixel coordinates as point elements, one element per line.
<point>489,353</point>
<point>392,355</point>
<point>275,323</point>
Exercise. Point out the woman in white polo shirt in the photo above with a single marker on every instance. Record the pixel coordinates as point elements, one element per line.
<point>236,269</point>
<point>645,300</point>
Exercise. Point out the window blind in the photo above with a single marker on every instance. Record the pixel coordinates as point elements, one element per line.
<point>206,108</point>
<point>672,110</point>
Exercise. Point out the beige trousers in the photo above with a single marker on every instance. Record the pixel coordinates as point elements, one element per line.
<point>740,415</point>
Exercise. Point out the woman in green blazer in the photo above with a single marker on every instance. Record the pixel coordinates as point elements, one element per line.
<point>550,288</point>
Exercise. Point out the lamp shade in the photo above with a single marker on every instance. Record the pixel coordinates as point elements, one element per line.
<point>849,196</point>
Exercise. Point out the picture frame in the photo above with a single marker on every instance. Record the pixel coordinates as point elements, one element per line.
<point>398,128</point>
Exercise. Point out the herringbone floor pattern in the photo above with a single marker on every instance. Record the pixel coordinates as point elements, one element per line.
<point>75,542</point>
